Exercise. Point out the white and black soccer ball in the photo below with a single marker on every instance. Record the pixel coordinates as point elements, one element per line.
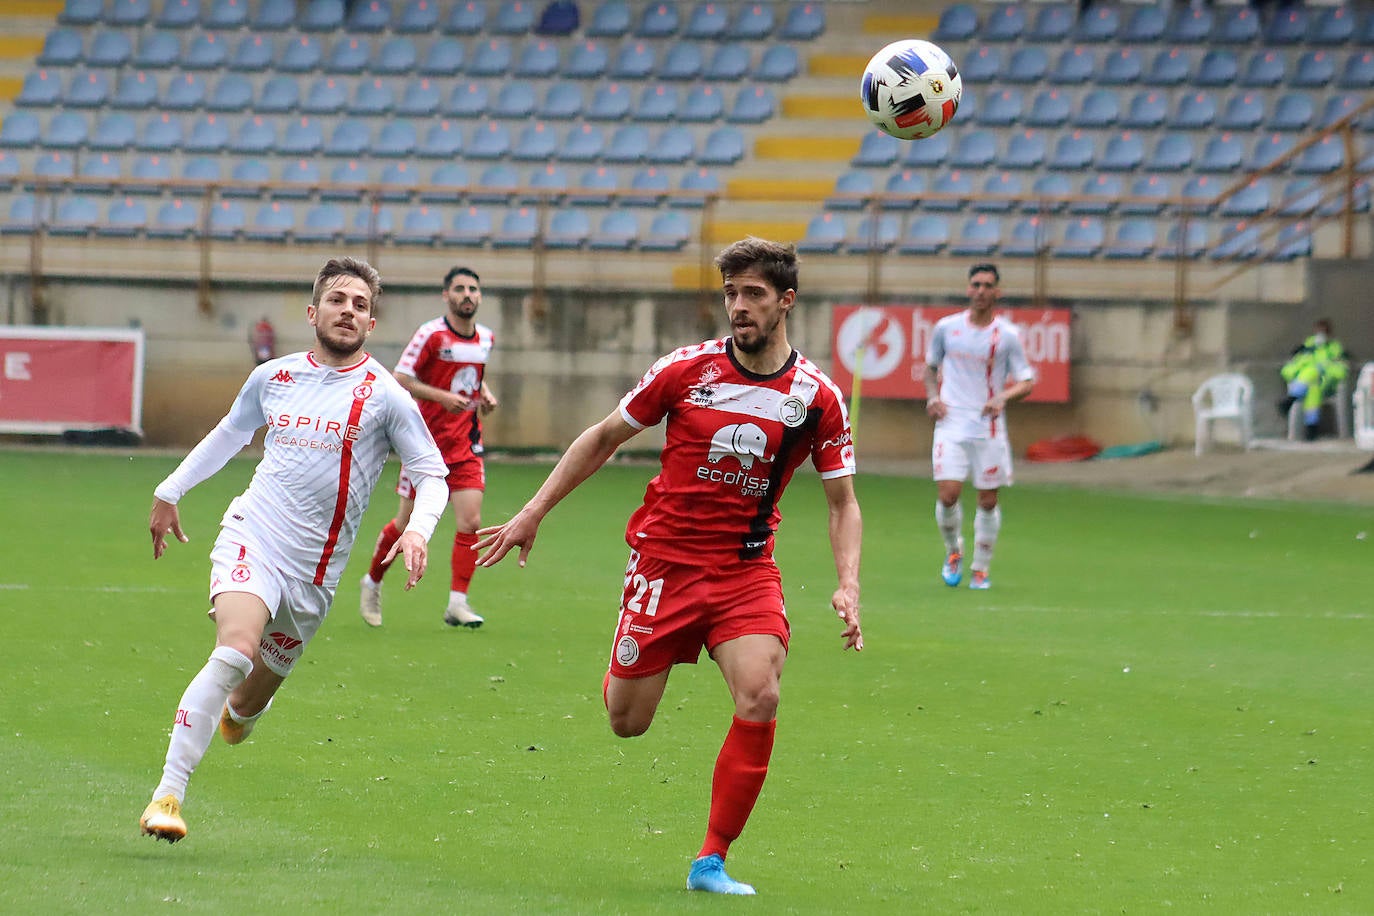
<point>911,89</point>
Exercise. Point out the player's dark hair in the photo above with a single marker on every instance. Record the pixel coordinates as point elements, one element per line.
<point>347,267</point>
<point>777,262</point>
<point>985,268</point>
<point>461,272</point>
<point>1324,325</point>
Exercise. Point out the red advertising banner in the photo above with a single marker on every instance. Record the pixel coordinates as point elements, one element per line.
<point>56,379</point>
<point>887,344</point>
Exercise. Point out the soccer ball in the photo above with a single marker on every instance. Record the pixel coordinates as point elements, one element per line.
<point>911,89</point>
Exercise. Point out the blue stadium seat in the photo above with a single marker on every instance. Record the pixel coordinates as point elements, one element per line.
<point>175,219</point>
<point>706,21</point>
<point>683,60</point>
<point>54,164</point>
<point>753,21</point>
<point>1187,241</point>
<point>448,182</point>
<point>397,182</point>
<point>250,175</point>
<point>1338,107</point>
<point>396,139</point>
<point>1029,237</point>
<point>1191,25</point>
<point>803,22</point>
<point>108,49</point>
<point>151,169</point>
<point>1083,238</point>
<point>1358,71</point>
<point>205,51</point>
<point>81,12</point>
<point>977,236</point>
<point>1005,23</point>
<point>20,129</point>
<point>369,15</point>
<point>1050,108</point>
<point>321,16</point>
<point>1000,189</point>
<point>611,19</point>
<point>1218,67</point>
<point>157,51</point>
<point>468,17</point>
<point>874,234</point>
<point>1147,197</point>
<point>1288,26</point>
<point>925,234</point>
<point>1222,154</point>
<point>225,14</point>
<point>595,187</point>
<point>1314,70</point>
<point>128,12</point>
<point>518,228</point>
<point>539,59</point>
<point>272,222</point>
<point>98,171</point>
<point>877,149</point>
<point>88,89</point>
<point>583,143</point>
<point>983,66</point>
<point>346,180</point>
<point>617,231</point>
<point>636,60</point>
<point>1170,67</point>
<point>656,102</point>
<point>1003,108</point>
<point>41,89</point>
<point>1236,25</point>
<point>723,146</point>
<point>420,98</point>
<point>536,142</point>
<point>610,102</point>
<point>1293,111</point>
<point>1300,197</point>
<point>949,192</point>
<point>161,133</point>
<point>1294,241</point>
<point>1100,192</point>
<point>272,17</point>
<point>568,229</point>
<point>1332,25</point>
<point>301,137</point>
<point>490,140</point>
<point>418,17</point>
<point>76,215</point>
<point>586,60</point>
<point>445,57</point>
<point>1073,151</point>
<point>702,104</point>
<point>1147,108</point>
<point>114,131</point>
<point>1098,23</point>
<point>907,187</point>
<point>348,55</point>
<point>629,144</point>
<point>491,57</point>
<point>673,145</point>
<point>443,140</point>
<point>549,181</point>
<point>199,172</point>
<point>562,101</point>
<point>232,93</point>
<point>1124,152</point>
<point>297,177</point>
<point>1097,108</point>
<point>1269,149</point>
<point>752,105</point>
<point>696,185</point>
<point>514,100</point>
<point>62,47</point>
<point>1134,240</point>
<point>1238,241</point>
<point>974,149</point>
<point>467,100</point>
<point>1073,66</point>
<point>854,190</point>
<point>1326,155</point>
<point>958,22</point>
<point>669,230</point>
<point>648,187</point>
<point>1025,149</point>
<point>279,94</point>
<point>301,54</point>
<point>185,91</point>
<point>1051,23</point>
<point>1265,67</point>
<point>1250,200</point>
<point>728,63</point>
<point>1122,67</point>
<point>253,53</point>
<point>24,215</point>
<point>471,227</point>
<point>1195,110</point>
<point>778,64</point>
<point>326,95</point>
<point>1243,111</point>
<point>370,223</point>
<point>825,234</point>
<point>658,20</point>
<point>396,56</point>
<point>209,134</point>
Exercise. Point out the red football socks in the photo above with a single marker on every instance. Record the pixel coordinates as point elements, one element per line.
<point>740,771</point>
<point>389,537</point>
<point>464,561</point>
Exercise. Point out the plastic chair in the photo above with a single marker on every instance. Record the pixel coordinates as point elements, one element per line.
<point>804,22</point>
<point>618,231</point>
<point>206,51</point>
<point>279,94</point>
<point>1049,108</point>
<point>1098,108</point>
<point>322,16</point>
<point>568,229</point>
<point>977,236</point>
<point>41,89</point>
<point>1073,66</point>
<point>707,20</point>
<point>369,16</point>
<point>1170,67</point>
<point>674,145</point>
<point>1264,68</point>
<point>396,56</point>
<point>348,55</point>
<point>443,140</point>
<point>1229,397</point>
<point>926,234</point>
<point>538,60</point>
<point>466,18</point>
<point>587,60</point>
<point>1005,23</point>
<point>1122,67</point>
<point>108,49</point>
<point>445,57</point>
<point>958,22</point>
<point>753,21</point>
<point>1134,240</point>
<point>420,98</point>
<point>824,234</point>
<point>1314,70</point>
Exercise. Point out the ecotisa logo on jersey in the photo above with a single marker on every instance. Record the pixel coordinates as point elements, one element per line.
<point>747,443</point>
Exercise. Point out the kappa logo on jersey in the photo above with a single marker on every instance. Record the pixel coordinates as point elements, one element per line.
<point>241,573</point>
<point>627,651</point>
<point>283,376</point>
<point>285,642</point>
<point>746,441</point>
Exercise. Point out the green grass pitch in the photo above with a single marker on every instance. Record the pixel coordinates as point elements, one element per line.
<point>1161,705</point>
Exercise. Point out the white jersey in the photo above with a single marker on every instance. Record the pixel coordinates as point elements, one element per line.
<point>975,364</point>
<point>329,434</point>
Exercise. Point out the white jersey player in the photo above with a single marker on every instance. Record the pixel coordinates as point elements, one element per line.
<point>333,415</point>
<point>975,366</point>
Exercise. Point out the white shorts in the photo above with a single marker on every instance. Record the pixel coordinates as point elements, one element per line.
<point>989,460</point>
<point>296,607</point>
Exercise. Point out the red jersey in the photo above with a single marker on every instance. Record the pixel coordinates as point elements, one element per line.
<point>438,355</point>
<point>733,440</point>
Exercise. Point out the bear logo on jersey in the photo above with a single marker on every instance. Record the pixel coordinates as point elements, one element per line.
<point>746,441</point>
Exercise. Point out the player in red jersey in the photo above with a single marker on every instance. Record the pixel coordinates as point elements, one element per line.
<point>742,414</point>
<point>443,367</point>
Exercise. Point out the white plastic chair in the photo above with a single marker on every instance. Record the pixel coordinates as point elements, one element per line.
<point>1229,396</point>
<point>1364,408</point>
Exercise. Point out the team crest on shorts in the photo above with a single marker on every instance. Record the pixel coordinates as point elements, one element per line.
<point>241,573</point>
<point>627,651</point>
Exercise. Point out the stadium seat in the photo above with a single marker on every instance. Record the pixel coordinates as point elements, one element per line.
<point>974,149</point>
<point>568,229</point>
<point>648,187</point>
<point>54,164</point>
<point>925,234</point>
<point>467,17</point>
<point>81,12</point>
<point>279,94</point>
<point>1170,67</point>
<point>108,49</point>
<point>128,12</point>
<point>1172,152</point>
<point>854,190</point>
<point>301,137</point>
<point>1122,67</point>
<point>224,14</point>
<point>114,131</point>
<point>1358,71</point>
<point>905,188</point>
<point>1027,239</point>
<point>41,89</point>
<point>88,89</point>
<point>1179,242</point>
<point>778,64</point>
<point>1000,190</point>
<point>197,173</point>
<point>753,21</point>
<point>752,105</point>
<point>1194,111</point>
<point>1100,195</point>
<point>301,54</point>
<point>977,236</point>
<point>586,60</point>
<point>1265,67</point>
<point>76,215</point>
<point>1003,108</point>
<point>958,22</point>
<point>348,55</point>
<point>492,57</point>
<point>1251,200</point>
<point>396,56</point>
<point>1124,152</point>
<point>249,177</point>
<point>1293,111</point>
<point>253,53</point>
<point>1332,25</point>
<point>24,216</point>
<point>397,182</point>
<point>321,16</point>
<point>273,221</point>
<point>1236,25</point>
<point>610,102</point>
<point>673,145</point>
<point>658,20</point>
<point>656,102</point>
<point>1072,152</point>
<point>595,187</point>
<point>1288,26</point>
<point>629,144</point>
<point>706,21</point>
<point>374,222</point>
<point>1191,25</point>
<point>1222,154</point>
<point>209,134</point>
<point>538,60</point>
<point>272,17</point>
<point>669,230</point>
<point>1294,241</point>
<point>683,60</point>
<point>151,169</point>
<point>467,100</point>
<point>803,22</point>
<point>1025,149</point>
<point>369,15</point>
<point>326,95</point>
<point>617,231</point>
<point>1083,238</point>
<point>1073,66</point>
<point>175,219</point>
<point>1238,241</point>
<point>877,149</point>
<point>562,101</point>
<point>1300,197</point>
<point>695,187</point>
<point>205,51</point>
<point>19,130</point>
<point>723,146</point>
<point>824,234</point>
<point>514,100</point>
<point>950,192</point>
<point>1134,240</point>
<point>1314,70</point>
<point>496,184</point>
<point>636,60</point>
<point>1147,108</point>
<point>874,234</point>
<point>420,98</point>
<point>232,93</point>
<point>346,179</point>
<point>445,57</point>
<point>1326,155</point>
<point>185,92</point>
<point>1097,108</point>
<point>983,67</point>
<point>63,47</point>
<point>536,142</point>
<point>1052,22</point>
<point>548,182</point>
<point>395,140</point>
<point>1006,22</point>
<point>518,228</point>
<point>443,140</point>
<point>1243,111</point>
<point>1338,107</point>
<point>472,227</point>
<point>1218,67</point>
<point>161,133</point>
<point>702,104</point>
<point>489,140</point>
<point>97,173</point>
<point>297,178</point>
<point>583,143</point>
<point>1050,108</point>
<point>1098,24</point>
<point>448,182</point>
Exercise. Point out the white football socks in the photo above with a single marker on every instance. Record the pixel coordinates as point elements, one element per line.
<point>950,520</point>
<point>198,716</point>
<point>986,525</point>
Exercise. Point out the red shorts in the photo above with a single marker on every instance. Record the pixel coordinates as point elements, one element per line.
<point>469,474</point>
<point>669,611</point>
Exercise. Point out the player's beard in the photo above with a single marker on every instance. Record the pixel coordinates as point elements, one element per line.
<point>758,336</point>
<point>337,346</point>
<point>464,309</point>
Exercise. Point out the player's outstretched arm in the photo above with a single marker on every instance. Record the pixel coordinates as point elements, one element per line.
<point>164,518</point>
<point>588,452</point>
<point>846,539</point>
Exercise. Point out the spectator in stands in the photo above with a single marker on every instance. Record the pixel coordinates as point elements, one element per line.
<point>263,341</point>
<point>560,17</point>
<point>1312,374</point>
